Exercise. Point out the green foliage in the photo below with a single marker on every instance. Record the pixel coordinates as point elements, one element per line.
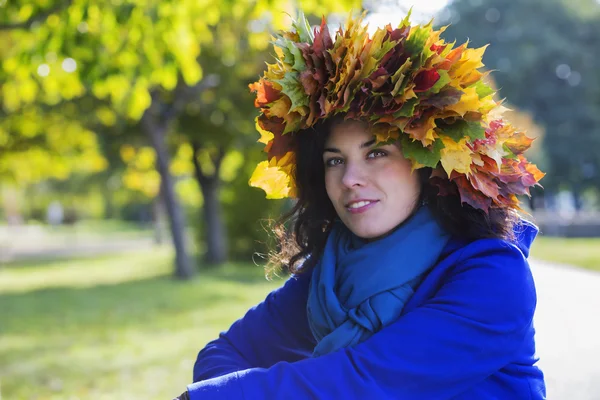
<point>188,62</point>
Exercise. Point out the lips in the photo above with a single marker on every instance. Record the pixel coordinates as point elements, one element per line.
<point>360,205</point>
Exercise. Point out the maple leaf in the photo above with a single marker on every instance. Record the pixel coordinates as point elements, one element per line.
<point>280,145</point>
<point>452,58</point>
<point>444,98</point>
<point>426,156</point>
<point>292,87</point>
<point>275,177</point>
<point>469,195</point>
<point>265,92</point>
<point>455,156</point>
<point>484,183</point>
<point>309,83</point>
<point>303,28</point>
<point>461,128</point>
<point>425,80</point>
<point>408,108</point>
<point>469,101</point>
<point>273,125</point>
<point>422,130</point>
<point>385,133</point>
<point>279,108</point>
<point>518,143</point>
<point>482,89</point>
<point>443,80</point>
<point>265,136</point>
<point>322,38</point>
<point>292,55</point>
<point>416,42</point>
<point>470,60</point>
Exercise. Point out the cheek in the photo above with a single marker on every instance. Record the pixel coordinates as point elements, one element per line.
<point>398,179</point>
<point>331,185</point>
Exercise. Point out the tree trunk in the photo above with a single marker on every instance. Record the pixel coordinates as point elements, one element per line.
<point>158,219</point>
<point>214,227</point>
<point>156,132</point>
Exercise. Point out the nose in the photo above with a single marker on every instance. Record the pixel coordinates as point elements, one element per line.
<point>354,175</point>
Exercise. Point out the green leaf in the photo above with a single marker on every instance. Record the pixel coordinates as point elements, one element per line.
<point>302,27</point>
<point>482,89</point>
<point>462,128</point>
<point>427,156</point>
<point>415,45</point>
<point>416,41</point>
<point>292,55</point>
<point>292,87</point>
<point>399,78</point>
<point>408,109</point>
<point>406,21</point>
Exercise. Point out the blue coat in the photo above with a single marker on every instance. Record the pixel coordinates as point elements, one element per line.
<point>466,333</point>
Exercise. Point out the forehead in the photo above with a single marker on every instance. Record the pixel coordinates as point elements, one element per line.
<point>348,132</point>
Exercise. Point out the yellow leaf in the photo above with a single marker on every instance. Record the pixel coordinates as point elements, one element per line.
<point>273,180</point>
<point>469,101</point>
<point>487,104</point>
<point>265,136</point>
<point>470,60</point>
<point>279,108</point>
<point>456,156</point>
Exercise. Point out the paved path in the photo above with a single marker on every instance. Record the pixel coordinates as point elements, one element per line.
<point>568,330</point>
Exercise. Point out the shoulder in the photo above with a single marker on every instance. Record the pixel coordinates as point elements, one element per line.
<point>493,273</point>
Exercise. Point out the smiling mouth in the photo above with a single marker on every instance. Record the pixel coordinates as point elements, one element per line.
<point>360,206</point>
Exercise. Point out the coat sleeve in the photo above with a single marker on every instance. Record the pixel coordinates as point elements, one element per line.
<point>274,330</point>
<point>473,326</point>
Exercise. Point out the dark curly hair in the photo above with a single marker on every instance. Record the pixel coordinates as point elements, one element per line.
<point>302,232</point>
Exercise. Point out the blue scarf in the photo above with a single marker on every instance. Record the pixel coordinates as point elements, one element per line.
<point>359,287</point>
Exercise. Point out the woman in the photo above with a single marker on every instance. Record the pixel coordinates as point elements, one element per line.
<point>409,262</point>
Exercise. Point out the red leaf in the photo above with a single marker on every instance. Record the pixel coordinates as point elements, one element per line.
<point>322,41</point>
<point>280,145</point>
<point>438,49</point>
<point>485,184</point>
<point>308,82</point>
<point>425,80</point>
<point>274,125</point>
<point>265,92</point>
<point>470,195</point>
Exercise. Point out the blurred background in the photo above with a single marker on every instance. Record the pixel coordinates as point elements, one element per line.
<point>129,236</point>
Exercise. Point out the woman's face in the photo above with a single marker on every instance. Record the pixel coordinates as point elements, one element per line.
<point>372,188</point>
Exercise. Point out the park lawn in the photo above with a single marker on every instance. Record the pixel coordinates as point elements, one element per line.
<point>581,252</point>
<point>115,327</point>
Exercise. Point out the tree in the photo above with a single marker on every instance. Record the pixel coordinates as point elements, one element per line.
<point>142,57</point>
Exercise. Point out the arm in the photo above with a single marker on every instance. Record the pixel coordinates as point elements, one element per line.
<point>275,330</point>
<point>472,327</point>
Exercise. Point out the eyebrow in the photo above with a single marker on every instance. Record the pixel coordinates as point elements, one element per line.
<point>362,146</point>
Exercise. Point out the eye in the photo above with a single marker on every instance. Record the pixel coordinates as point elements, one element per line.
<point>376,153</point>
<point>331,162</point>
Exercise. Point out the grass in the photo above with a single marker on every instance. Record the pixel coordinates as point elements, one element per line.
<point>582,252</point>
<point>113,327</point>
<point>119,327</point>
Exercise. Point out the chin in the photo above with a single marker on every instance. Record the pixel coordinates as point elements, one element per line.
<point>368,232</point>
